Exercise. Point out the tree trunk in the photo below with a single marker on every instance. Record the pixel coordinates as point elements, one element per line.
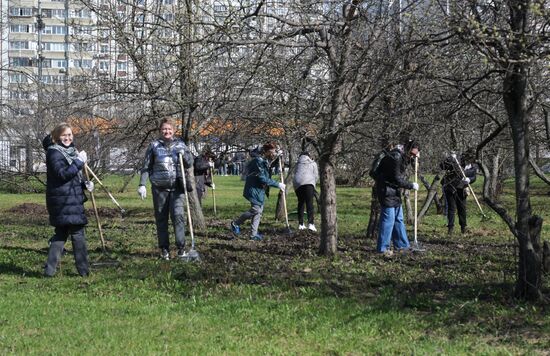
<point>432,193</point>
<point>372,229</point>
<point>197,215</point>
<point>410,212</point>
<point>529,279</point>
<point>329,228</point>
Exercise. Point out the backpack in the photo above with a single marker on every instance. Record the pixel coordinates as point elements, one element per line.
<point>373,172</point>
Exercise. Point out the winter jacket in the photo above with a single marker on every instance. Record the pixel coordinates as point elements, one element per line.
<point>258,179</point>
<point>161,163</point>
<point>453,176</point>
<point>64,189</point>
<point>201,167</point>
<point>391,178</point>
<point>306,172</point>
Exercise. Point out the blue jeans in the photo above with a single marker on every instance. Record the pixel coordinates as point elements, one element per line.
<point>391,228</point>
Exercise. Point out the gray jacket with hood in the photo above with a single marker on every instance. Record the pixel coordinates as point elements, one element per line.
<point>306,172</point>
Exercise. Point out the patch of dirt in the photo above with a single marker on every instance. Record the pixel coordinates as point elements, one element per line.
<point>29,209</point>
<point>104,212</point>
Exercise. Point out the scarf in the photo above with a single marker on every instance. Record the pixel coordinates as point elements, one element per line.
<point>69,153</point>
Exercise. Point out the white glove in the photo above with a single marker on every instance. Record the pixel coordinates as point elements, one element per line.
<point>213,186</point>
<point>415,186</point>
<point>89,185</point>
<point>453,155</point>
<point>282,187</point>
<point>83,156</point>
<point>466,181</point>
<point>279,152</point>
<point>211,164</point>
<point>417,155</point>
<point>142,192</point>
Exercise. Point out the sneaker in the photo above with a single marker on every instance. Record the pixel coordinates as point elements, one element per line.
<point>256,237</point>
<point>387,254</point>
<point>311,227</point>
<point>235,229</point>
<point>301,227</point>
<point>181,252</point>
<point>165,254</point>
<point>464,230</point>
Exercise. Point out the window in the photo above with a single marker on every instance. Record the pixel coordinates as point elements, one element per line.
<point>19,95</point>
<point>20,62</point>
<point>54,30</point>
<point>83,13</point>
<point>83,63</point>
<point>54,46</point>
<point>18,78</point>
<point>59,13</point>
<point>20,11</point>
<point>104,65</point>
<point>121,66</point>
<point>20,28</point>
<point>83,30</point>
<point>167,2</point>
<point>58,63</point>
<point>83,46</point>
<point>19,45</point>
<point>52,79</point>
<point>104,49</point>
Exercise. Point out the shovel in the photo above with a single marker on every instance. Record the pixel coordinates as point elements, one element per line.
<point>192,254</point>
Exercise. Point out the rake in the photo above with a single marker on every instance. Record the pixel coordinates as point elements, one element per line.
<point>281,170</point>
<point>192,254</point>
<point>483,216</point>
<point>88,169</point>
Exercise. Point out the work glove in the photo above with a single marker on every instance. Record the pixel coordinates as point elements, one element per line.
<point>213,186</point>
<point>466,181</point>
<point>415,186</point>
<point>453,155</point>
<point>142,192</point>
<point>89,185</point>
<point>282,187</point>
<point>211,164</point>
<point>279,152</point>
<point>82,156</point>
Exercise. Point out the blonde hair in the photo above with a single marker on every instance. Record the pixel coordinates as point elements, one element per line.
<point>168,121</point>
<point>58,131</point>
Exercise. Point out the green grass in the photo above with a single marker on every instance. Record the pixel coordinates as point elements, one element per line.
<point>273,297</point>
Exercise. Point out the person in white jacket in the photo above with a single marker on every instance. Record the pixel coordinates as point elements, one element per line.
<point>305,178</point>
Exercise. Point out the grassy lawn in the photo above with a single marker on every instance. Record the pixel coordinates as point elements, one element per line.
<point>271,297</point>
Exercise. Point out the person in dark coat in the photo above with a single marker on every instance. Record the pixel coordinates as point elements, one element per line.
<point>65,198</point>
<point>390,179</point>
<point>455,187</point>
<point>162,167</point>
<point>202,168</point>
<point>258,181</point>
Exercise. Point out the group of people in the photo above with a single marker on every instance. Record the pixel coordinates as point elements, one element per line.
<point>166,155</point>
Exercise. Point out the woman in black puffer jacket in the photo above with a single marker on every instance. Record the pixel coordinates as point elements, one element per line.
<point>65,198</point>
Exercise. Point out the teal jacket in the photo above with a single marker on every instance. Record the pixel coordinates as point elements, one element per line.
<point>258,179</point>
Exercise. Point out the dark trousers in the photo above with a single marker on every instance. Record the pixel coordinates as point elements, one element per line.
<point>456,202</point>
<point>169,203</point>
<point>57,242</point>
<point>305,195</point>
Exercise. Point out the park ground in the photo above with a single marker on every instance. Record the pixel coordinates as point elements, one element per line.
<point>277,296</point>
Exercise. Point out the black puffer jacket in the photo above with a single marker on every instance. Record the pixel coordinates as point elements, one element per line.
<point>64,189</point>
<point>390,178</point>
<point>453,176</point>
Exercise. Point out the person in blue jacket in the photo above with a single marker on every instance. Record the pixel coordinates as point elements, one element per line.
<point>65,198</point>
<point>162,167</point>
<point>258,181</point>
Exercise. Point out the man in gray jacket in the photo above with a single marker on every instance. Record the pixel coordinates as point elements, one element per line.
<point>305,178</point>
<point>162,167</point>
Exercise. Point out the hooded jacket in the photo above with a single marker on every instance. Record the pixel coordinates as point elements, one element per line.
<point>391,178</point>
<point>64,188</point>
<point>306,172</point>
<point>453,175</point>
<point>258,179</point>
